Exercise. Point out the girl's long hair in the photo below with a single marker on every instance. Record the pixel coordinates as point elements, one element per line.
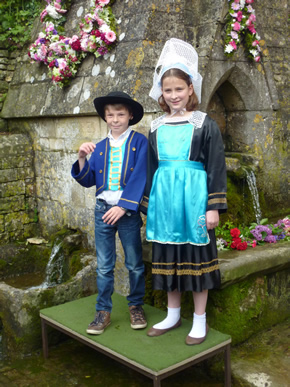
<point>192,103</point>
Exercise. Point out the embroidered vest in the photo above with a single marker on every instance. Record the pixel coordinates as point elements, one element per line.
<point>116,157</point>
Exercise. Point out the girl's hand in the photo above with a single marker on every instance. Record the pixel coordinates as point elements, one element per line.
<point>212,219</point>
<point>113,215</point>
<point>85,149</point>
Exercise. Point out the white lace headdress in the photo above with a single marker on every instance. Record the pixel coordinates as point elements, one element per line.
<point>177,54</point>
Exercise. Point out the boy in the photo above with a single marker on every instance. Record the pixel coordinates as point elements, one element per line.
<point>117,167</point>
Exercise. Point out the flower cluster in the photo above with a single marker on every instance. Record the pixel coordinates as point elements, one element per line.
<point>62,54</point>
<point>256,234</point>
<point>272,233</point>
<point>241,23</point>
<point>237,242</point>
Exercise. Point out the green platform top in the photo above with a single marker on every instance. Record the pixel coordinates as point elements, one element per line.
<point>153,353</point>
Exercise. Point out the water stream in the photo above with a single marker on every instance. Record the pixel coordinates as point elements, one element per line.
<point>251,180</point>
<point>54,272</point>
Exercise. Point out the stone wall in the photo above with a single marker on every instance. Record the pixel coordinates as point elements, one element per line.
<point>8,62</point>
<point>248,100</point>
<point>18,206</point>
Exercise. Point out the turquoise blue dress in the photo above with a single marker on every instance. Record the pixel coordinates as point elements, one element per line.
<point>184,220</point>
<point>186,177</point>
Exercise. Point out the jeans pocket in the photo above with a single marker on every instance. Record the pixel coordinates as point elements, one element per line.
<point>99,206</point>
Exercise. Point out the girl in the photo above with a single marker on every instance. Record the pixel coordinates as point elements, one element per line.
<point>186,189</point>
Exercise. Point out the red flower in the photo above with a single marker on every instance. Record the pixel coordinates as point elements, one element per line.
<point>242,246</point>
<point>235,242</point>
<point>235,232</point>
<point>76,45</point>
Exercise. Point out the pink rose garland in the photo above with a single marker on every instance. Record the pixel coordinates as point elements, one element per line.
<point>241,24</point>
<point>62,54</point>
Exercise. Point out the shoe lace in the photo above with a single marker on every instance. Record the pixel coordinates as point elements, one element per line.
<point>99,318</point>
<point>137,313</point>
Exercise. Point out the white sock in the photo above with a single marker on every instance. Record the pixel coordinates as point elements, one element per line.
<point>173,315</point>
<point>199,326</point>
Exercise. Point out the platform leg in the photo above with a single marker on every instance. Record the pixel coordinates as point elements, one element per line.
<point>156,382</point>
<point>44,339</point>
<point>228,366</point>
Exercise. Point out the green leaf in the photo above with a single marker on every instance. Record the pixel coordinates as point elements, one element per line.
<point>264,221</point>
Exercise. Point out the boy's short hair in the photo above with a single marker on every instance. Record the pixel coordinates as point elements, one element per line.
<point>119,106</point>
<point>120,98</point>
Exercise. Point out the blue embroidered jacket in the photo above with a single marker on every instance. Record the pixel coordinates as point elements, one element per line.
<point>133,175</point>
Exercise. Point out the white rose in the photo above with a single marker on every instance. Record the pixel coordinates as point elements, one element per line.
<point>52,12</point>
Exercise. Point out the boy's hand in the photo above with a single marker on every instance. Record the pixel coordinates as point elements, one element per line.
<point>85,149</point>
<point>113,215</point>
<point>212,219</point>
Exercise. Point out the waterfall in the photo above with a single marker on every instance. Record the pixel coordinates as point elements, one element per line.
<point>54,268</point>
<point>251,180</point>
<point>54,272</point>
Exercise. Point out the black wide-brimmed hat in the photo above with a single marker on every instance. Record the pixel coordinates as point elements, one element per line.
<point>116,97</point>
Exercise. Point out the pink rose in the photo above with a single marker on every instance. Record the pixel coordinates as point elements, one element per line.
<point>233,44</point>
<point>257,58</point>
<point>255,43</point>
<point>249,1</point>
<point>252,17</point>
<point>251,28</point>
<point>239,16</point>
<point>236,26</point>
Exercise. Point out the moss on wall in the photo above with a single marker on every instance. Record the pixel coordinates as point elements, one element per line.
<point>240,202</point>
<point>249,306</point>
<point>241,309</point>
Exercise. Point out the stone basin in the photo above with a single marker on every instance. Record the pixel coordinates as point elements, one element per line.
<point>20,305</point>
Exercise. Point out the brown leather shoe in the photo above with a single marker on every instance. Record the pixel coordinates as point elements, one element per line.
<point>158,332</point>
<point>101,321</point>
<point>194,341</point>
<point>137,317</point>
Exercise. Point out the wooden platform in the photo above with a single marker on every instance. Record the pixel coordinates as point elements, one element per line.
<point>155,357</point>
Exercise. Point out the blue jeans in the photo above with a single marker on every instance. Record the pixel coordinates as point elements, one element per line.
<point>128,227</point>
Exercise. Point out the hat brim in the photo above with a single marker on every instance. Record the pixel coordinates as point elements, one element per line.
<point>137,108</point>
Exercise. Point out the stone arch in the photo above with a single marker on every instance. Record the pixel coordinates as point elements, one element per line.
<point>226,107</point>
<point>229,102</point>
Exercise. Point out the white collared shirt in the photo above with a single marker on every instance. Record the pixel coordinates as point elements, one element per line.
<point>112,197</point>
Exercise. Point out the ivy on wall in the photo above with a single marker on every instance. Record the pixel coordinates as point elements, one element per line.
<point>16,20</point>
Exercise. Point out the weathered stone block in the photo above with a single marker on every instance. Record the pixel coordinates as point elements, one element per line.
<point>3,86</point>
<point>12,204</point>
<point>8,175</point>
<point>14,161</point>
<point>13,188</point>
<point>14,222</point>
<point>4,53</point>
<point>2,229</point>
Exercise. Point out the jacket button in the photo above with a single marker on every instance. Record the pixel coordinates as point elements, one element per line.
<point>133,149</point>
<point>101,153</point>
<point>100,171</point>
<point>131,169</point>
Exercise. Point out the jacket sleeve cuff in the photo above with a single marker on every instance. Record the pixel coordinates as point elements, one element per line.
<point>217,201</point>
<point>144,205</point>
<point>75,171</point>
